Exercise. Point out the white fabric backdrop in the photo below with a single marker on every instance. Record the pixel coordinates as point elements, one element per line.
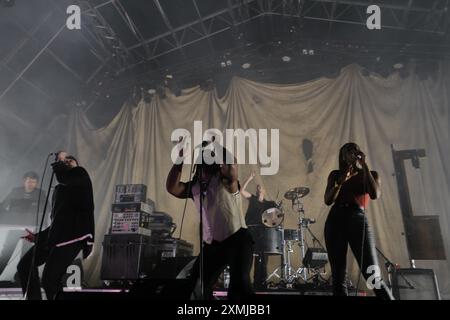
<point>374,112</point>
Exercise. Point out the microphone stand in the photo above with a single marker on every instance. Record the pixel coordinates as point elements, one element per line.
<point>391,266</point>
<point>200,174</point>
<point>36,243</point>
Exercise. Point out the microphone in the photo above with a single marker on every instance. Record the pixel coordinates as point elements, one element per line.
<point>206,143</point>
<point>203,145</point>
<point>55,154</point>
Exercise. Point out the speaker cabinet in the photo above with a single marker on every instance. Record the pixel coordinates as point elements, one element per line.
<point>127,257</point>
<point>415,284</point>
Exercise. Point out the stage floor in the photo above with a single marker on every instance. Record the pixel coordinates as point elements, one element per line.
<point>15,293</point>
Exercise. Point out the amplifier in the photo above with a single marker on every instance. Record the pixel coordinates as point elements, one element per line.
<point>315,258</point>
<point>127,257</point>
<point>130,193</point>
<point>133,207</point>
<point>130,222</point>
<point>161,221</point>
<point>415,284</point>
<point>171,248</point>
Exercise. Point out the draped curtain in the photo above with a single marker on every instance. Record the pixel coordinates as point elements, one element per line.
<point>375,112</point>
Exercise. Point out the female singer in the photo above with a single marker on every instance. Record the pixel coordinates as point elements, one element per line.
<point>349,190</point>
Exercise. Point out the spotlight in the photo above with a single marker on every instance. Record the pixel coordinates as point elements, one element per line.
<point>311,52</point>
<point>223,64</point>
<point>305,52</point>
<point>246,65</point>
<point>286,58</point>
<point>398,66</point>
<point>151,91</point>
<point>229,63</point>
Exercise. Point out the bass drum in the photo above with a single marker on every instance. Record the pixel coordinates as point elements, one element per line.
<point>272,217</point>
<point>267,240</point>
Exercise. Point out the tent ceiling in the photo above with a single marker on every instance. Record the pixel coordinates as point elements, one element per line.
<point>40,60</point>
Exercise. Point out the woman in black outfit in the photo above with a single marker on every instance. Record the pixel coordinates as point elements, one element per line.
<point>349,190</point>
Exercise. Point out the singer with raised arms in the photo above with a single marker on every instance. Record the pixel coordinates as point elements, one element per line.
<point>71,230</point>
<point>226,240</point>
<point>348,191</point>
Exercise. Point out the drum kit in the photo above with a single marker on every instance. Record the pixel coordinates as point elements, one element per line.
<point>273,239</point>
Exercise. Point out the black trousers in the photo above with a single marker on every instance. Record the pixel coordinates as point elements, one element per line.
<point>345,226</point>
<point>56,260</point>
<point>235,251</point>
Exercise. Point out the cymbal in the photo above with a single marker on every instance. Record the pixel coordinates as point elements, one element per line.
<point>296,193</point>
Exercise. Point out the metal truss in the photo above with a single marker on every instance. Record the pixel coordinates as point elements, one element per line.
<point>104,35</point>
<point>432,20</point>
<point>205,27</point>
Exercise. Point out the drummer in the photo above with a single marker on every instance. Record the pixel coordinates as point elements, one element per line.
<point>257,205</point>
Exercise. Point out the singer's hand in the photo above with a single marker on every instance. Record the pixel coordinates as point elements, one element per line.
<point>61,156</point>
<point>252,175</point>
<point>30,236</point>
<point>349,173</point>
<point>361,157</point>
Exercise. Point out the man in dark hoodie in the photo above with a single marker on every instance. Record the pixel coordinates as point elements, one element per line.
<point>71,231</point>
<point>19,208</point>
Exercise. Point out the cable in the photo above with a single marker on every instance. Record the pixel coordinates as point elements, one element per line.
<point>186,200</point>
<point>363,232</point>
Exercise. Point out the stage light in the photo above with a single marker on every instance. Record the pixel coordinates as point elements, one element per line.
<point>229,63</point>
<point>151,91</point>
<point>246,65</point>
<point>305,52</point>
<point>398,66</point>
<point>286,58</point>
<point>223,64</point>
<point>311,52</point>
